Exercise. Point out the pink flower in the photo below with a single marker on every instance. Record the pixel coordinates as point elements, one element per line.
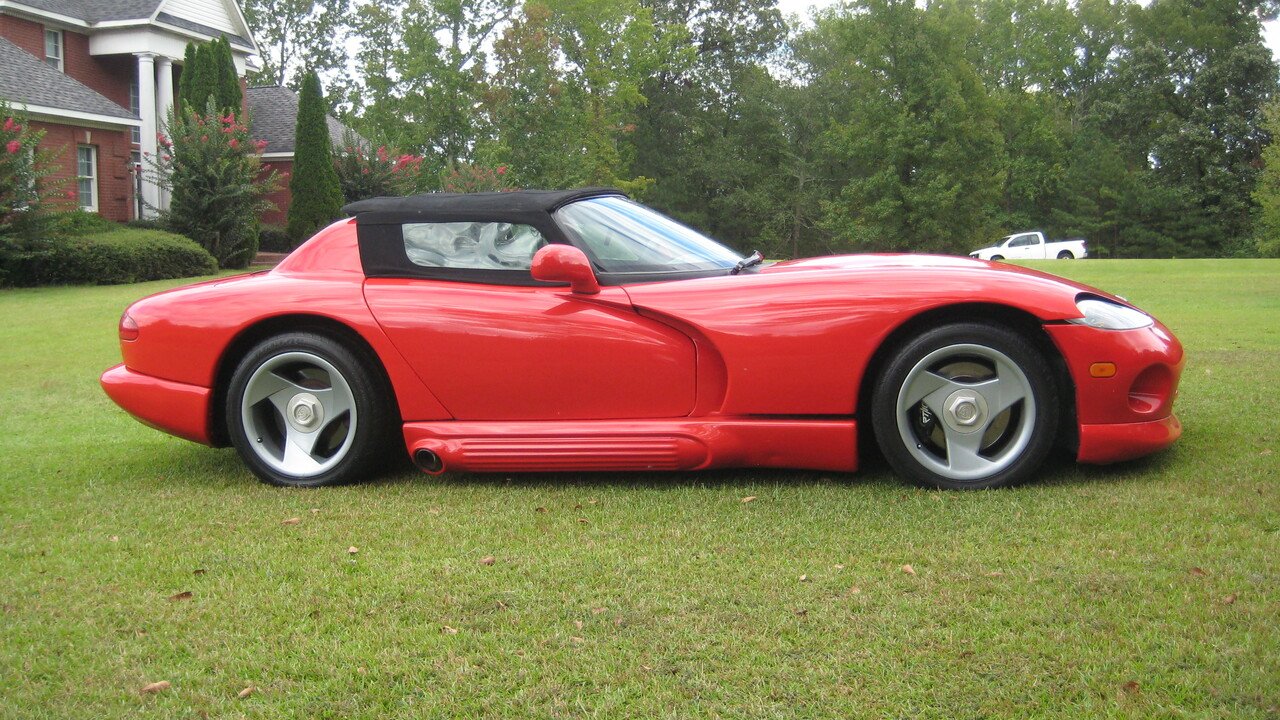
<point>167,158</point>
<point>382,153</point>
<point>261,145</point>
<point>13,146</point>
<point>160,138</point>
<point>235,144</point>
<point>204,138</point>
<point>10,125</point>
<point>228,120</point>
<point>502,169</point>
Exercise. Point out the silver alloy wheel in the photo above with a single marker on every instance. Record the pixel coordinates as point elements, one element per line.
<point>966,411</point>
<point>299,414</point>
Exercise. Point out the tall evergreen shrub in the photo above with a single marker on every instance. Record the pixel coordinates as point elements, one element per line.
<point>317,194</point>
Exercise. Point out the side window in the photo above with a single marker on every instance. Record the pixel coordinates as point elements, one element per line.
<point>472,245</point>
<point>1023,241</point>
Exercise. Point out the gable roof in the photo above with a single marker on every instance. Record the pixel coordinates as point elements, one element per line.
<point>273,116</point>
<point>93,12</point>
<point>28,81</point>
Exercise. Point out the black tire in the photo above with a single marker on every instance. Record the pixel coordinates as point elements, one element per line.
<point>997,258</point>
<point>353,436</point>
<point>970,365</point>
<point>1066,255</point>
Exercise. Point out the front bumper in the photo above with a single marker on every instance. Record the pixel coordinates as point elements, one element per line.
<point>176,408</point>
<point>1130,413</point>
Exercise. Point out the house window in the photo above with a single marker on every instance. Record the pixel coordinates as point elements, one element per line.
<point>87,177</point>
<point>53,48</point>
<point>135,107</point>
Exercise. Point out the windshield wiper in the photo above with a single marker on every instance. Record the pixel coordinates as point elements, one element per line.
<point>755,258</point>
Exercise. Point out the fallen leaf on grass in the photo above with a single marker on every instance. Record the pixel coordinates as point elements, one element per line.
<point>184,595</point>
<point>540,509</point>
<point>155,687</point>
<point>749,498</point>
<point>199,571</point>
<point>838,566</point>
<point>245,692</point>
<point>315,510</point>
<point>908,570</point>
<point>582,521</point>
<point>854,590</point>
<point>1229,600</point>
<point>804,578</point>
<point>994,573</point>
<point>1197,572</point>
<point>501,605</point>
<point>800,612</point>
<point>578,624</point>
<point>617,621</point>
<point>448,630</point>
<point>433,511</point>
<point>291,521</point>
<point>487,560</point>
<point>1265,453</point>
<point>1131,688</point>
<point>114,538</point>
<point>353,550</point>
<point>597,610</point>
<point>577,639</point>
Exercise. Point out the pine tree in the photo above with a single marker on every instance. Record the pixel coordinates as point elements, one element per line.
<point>199,79</point>
<point>317,194</point>
<point>185,80</point>
<point>227,82</point>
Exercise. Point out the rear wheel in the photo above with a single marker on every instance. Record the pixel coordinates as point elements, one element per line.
<point>305,411</point>
<point>1066,255</point>
<point>966,406</point>
<point>997,258</point>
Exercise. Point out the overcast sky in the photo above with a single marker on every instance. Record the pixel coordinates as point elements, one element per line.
<point>802,8</point>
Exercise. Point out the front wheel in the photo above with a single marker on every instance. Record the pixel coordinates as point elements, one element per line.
<point>303,410</point>
<point>1066,255</point>
<point>966,406</point>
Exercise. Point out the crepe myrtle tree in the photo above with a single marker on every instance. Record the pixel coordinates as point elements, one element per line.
<point>28,192</point>
<point>364,172</point>
<point>214,174</point>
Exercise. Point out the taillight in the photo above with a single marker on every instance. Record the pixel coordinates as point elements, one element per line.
<point>128,328</point>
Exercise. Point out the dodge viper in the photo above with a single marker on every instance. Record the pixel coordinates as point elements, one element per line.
<point>581,331</point>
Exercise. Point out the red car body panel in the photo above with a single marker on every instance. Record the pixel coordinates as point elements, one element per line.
<point>757,369</point>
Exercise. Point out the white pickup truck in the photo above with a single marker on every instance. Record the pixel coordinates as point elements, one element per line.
<point>1032,246</point>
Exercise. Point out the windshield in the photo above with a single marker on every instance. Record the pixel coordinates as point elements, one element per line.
<point>625,237</point>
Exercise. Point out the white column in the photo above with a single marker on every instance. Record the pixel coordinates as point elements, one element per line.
<point>147,96</point>
<point>164,103</point>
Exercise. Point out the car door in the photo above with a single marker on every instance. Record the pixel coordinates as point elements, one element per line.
<point>494,345</point>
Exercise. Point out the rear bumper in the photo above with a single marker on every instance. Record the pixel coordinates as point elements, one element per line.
<point>176,408</point>
<point>1103,444</point>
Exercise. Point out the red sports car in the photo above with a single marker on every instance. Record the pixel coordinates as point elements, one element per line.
<point>579,330</point>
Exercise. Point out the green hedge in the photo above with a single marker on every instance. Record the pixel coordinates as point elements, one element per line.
<point>120,256</point>
<point>272,238</point>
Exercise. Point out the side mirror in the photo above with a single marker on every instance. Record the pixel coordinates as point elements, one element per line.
<point>567,264</point>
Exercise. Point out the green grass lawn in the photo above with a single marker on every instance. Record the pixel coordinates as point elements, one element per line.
<point>1145,589</point>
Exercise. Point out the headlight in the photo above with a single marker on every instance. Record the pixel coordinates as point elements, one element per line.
<point>1110,316</point>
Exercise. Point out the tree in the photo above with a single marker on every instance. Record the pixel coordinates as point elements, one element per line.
<point>1267,193</point>
<point>215,181</point>
<point>228,95</point>
<point>317,194</point>
<point>198,81</point>
<point>298,34</point>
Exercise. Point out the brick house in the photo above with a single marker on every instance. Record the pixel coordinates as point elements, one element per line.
<point>98,76</point>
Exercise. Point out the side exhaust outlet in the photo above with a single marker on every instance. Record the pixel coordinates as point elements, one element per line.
<point>428,461</point>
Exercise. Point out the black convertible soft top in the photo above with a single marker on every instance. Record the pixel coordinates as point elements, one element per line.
<point>454,206</point>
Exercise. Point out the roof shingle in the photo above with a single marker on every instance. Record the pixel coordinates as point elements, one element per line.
<point>28,81</point>
<point>273,116</point>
